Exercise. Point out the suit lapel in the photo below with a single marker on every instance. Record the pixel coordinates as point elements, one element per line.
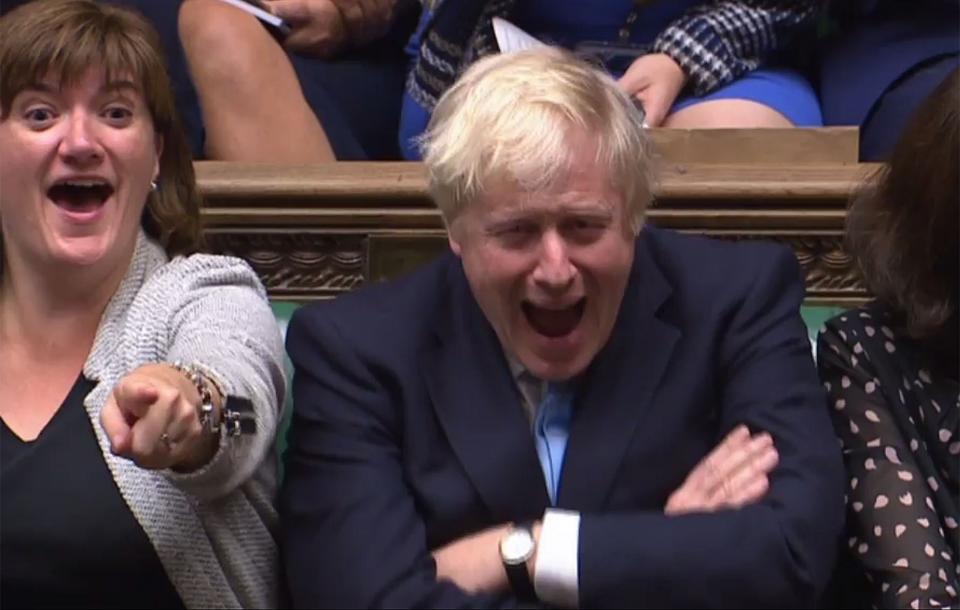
<point>477,404</point>
<point>617,389</point>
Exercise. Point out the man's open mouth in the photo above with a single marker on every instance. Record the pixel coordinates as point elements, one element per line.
<point>80,195</point>
<point>554,323</point>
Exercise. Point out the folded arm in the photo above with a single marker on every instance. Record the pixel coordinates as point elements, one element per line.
<point>352,533</point>
<point>777,552</point>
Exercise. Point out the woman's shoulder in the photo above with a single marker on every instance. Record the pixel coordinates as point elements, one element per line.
<point>199,286</point>
<point>863,324</point>
<point>859,339</point>
<point>871,337</point>
<point>187,275</point>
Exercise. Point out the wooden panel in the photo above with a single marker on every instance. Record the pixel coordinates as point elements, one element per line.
<point>389,256</point>
<point>825,145</point>
<point>315,232</point>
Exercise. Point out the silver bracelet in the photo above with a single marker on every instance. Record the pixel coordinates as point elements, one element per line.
<point>210,418</point>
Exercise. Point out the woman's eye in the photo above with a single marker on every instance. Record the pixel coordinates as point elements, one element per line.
<point>38,116</point>
<point>118,114</point>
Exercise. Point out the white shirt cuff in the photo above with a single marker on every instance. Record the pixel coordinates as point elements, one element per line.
<point>556,576</point>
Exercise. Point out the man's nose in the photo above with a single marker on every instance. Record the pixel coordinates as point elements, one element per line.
<point>79,145</point>
<point>554,270</point>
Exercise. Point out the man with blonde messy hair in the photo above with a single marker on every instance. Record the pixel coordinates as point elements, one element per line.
<point>569,407</point>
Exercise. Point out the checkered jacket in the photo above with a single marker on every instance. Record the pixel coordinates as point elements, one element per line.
<point>715,42</point>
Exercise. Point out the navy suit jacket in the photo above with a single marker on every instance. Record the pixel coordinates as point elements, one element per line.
<point>408,433</point>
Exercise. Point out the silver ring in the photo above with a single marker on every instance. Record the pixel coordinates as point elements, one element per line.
<point>165,439</point>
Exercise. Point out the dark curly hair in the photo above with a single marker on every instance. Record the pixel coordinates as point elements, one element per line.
<point>903,226</point>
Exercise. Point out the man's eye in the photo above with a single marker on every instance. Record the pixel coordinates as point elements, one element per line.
<point>585,224</point>
<point>516,234</point>
<point>584,229</point>
<point>518,228</point>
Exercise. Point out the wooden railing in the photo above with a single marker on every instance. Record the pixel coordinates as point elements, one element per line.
<point>316,231</point>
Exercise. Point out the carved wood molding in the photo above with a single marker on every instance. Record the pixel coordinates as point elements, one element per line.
<point>297,265</point>
<point>320,231</point>
<point>831,272</point>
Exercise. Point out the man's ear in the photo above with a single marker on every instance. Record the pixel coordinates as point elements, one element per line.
<point>454,244</point>
<point>455,236</point>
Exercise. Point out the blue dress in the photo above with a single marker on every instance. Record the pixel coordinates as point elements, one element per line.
<point>567,24</point>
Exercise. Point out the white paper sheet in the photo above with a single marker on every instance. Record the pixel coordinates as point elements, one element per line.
<point>511,39</point>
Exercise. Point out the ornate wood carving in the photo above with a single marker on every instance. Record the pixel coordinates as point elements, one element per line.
<point>294,264</point>
<point>831,272</point>
<point>303,266</point>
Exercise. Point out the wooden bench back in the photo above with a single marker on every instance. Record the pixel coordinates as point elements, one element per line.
<point>316,231</point>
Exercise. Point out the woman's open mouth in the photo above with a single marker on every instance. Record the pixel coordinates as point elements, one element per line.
<point>554,323</point>
<point>80,199</point>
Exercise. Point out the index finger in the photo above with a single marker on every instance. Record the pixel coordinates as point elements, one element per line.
<point>115,426</point>
<point>134,398</point>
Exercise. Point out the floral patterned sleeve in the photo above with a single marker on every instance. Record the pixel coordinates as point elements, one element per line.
<point>893,529</point>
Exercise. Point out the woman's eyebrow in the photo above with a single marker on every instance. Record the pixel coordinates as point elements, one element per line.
<point>42,87</point>
<point>118,85</point>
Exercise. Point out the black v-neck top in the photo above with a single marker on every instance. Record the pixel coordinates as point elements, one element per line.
<point>67,538</point>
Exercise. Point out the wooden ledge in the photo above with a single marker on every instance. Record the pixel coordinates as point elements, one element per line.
<point>792,146</point>
<point>405,184</point>
<point>316,231</point>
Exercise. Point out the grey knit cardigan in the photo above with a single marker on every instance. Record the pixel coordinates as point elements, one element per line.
<point>213,529</point>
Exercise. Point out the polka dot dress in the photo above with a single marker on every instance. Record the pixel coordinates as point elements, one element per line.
<point>897,422</point>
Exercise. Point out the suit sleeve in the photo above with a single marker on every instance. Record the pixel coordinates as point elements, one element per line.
<point>776,553</point>
<point>351,533</point>
<point>720,41</point>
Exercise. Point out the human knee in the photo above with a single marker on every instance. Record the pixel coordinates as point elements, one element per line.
<point>727,114</point>
<point>216,32</point>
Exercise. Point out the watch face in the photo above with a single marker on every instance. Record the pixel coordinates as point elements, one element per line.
<point>517,546</point>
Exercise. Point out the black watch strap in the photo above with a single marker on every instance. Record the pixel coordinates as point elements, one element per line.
<point>519,574</point>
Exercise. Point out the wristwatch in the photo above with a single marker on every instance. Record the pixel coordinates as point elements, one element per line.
<point>516,549</point>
